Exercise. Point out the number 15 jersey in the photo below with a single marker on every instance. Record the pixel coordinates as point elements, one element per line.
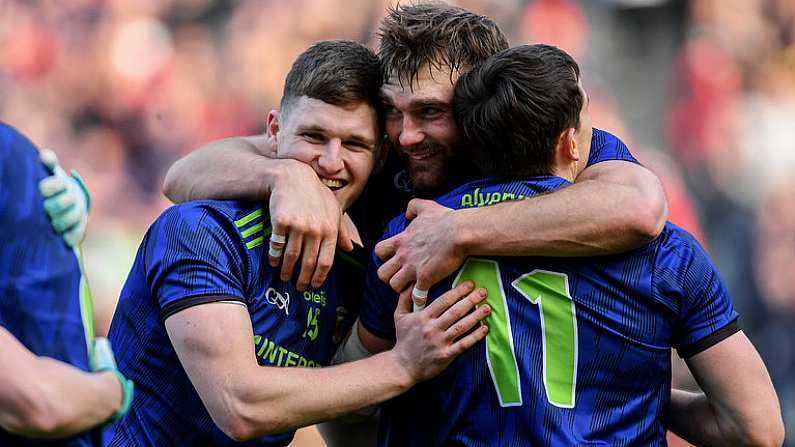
<point>578,350</point>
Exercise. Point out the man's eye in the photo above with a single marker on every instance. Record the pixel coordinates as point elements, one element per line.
<point>430,112</point>
<point>312,136</point>
<point>391,110</point>
<point>357,146</point>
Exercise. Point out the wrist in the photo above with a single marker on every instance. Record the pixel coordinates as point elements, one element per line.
<point>122,391</point>
<point>278,172</point>
<point>464,236</point>
<point>398,370</point>
<point>112,387</point>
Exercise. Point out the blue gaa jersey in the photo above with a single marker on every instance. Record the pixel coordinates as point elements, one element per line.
<point>606,146</point>
<point>39,273</point>
<point>389,190</point>
<point>205,251</point>
<point>578,350</point>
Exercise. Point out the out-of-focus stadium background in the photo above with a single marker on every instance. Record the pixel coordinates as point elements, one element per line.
<point>703,91</point>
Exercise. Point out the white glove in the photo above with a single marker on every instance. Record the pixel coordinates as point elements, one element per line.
<point>66,200</point>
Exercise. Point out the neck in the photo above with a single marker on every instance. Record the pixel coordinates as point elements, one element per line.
<point>568,172</point>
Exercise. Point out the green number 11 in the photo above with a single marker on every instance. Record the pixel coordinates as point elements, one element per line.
<point>550,291</point>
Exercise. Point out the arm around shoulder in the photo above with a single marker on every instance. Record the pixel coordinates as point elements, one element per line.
<point>643,208</point>
<point>233,168</point>
<point>614,206</point>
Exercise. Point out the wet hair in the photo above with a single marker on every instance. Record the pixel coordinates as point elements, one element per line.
<point>435,35</point>
<point>512,108</point>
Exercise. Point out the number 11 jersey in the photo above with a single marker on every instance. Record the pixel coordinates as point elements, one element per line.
<point>578,351</point>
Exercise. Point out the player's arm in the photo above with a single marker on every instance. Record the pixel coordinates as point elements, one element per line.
<point>738,407</point>
<point>45,398</point>
<point>612,207</point>
<point>213,342</point>
<point>233,168</point>
<point>301,207</point>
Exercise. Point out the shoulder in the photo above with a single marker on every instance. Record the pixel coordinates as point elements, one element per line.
<point>204,213</point>
<point>675,239</point>
<point>681,261</point>
<point>210,222</point>
<point>606,146</point>
<point>11,138</point>
<point>16,151</point>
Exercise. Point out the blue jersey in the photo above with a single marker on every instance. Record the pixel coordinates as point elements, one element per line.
<point>206,251</point>
<point>578,350</point>
<point>39,274</point>
<point>388,192</point>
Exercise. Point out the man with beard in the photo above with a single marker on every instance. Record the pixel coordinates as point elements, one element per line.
<point>222,349</point>
<point>578,351</point>
<point>424,47</point>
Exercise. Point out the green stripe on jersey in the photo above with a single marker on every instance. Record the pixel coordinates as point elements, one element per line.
<point>254,243</point>
<point>254,229</point>
<point>248,218</point>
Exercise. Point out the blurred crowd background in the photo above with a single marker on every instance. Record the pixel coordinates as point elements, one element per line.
<point>703,91</point>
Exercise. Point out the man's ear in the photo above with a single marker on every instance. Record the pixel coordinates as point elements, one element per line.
<point>272,124</point>
<point>567,145</point>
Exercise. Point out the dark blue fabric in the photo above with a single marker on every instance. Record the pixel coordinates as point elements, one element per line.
<point>630,309</point>
<point>207,250</point>
<point>39,273</point>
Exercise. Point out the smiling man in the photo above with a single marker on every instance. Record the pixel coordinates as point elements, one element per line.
<point>579,351</point>
<point>206,326</point>
<point>424,48</point>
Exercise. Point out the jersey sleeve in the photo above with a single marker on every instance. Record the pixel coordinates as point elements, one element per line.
<point>606,146</point>
<point>193,257</point>
<point>706,313</point>
<point>380,301</point>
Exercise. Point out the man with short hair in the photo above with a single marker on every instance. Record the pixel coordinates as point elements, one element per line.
<point>579,349</point>
<point>208,327</point>
<point>425,47</point>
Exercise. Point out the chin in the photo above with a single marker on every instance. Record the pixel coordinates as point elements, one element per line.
<point>346,198</point>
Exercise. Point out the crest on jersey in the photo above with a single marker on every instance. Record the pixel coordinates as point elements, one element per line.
<point>402,181</point>
<point>281,301</point>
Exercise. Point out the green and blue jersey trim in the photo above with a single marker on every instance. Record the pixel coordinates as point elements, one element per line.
<point>86,304</point>
<point>256,232</point>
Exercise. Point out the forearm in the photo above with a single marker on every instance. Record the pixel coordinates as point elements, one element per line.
<point>739,406</point>
<point>588,218</point>
<point>58,400</point>
<point>274,400</point>
<point>233,168</point>
<point>691,417</point>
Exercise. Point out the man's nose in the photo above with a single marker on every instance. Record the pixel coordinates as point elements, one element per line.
<point>410,133</point>
<point>330,160</point>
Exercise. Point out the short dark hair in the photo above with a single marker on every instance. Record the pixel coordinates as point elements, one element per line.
<point>437,35</point>
<point>512,108</point>
<point>339,72</point>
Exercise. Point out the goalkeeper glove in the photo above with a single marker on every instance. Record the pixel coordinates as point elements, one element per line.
<point>66,200</point>
<point>102,359</point>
